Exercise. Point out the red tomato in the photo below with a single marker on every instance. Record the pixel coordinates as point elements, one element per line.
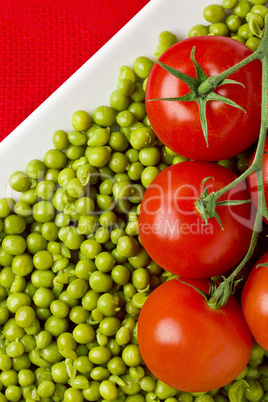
<point>189,345</point>
<point>177,124</point>
<point>252,179</point>
<point>172,230</point>
<point>254,302</point>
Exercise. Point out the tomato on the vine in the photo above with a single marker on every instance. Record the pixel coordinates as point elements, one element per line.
<point>189,345</point>
<point>177,123</point>
<point>174,233</point>
<point>254,301</point>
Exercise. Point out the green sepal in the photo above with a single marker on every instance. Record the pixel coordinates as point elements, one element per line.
<point>185,98</point>
<point>228,81</point>
<point>216,97</point>
<point>265,264</point>
<point>190,81</point>
<point>200,75</point>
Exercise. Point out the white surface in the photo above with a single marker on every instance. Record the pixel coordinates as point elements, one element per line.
<point>92,84</point>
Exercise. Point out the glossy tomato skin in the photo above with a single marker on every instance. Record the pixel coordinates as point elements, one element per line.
<point>172,230</point>
<point>252,179</point>
<point>189,345</point>
<point>254,301</point>
<point>177,124</point>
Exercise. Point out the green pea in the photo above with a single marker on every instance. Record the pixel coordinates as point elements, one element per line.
<point>99,355</point>
<point>25,316</point>
<point>75,188</point>
<point>218,29</point>
<point>13,393</point>
<point>214,13</point>
<point>72,394</point>
<point>241,8</point>
<point>35,242</point>
<point>84,268</point>
<point>142,137</point>
<point>165,40</point>
<point>131,386</point>
<point>120,275</point>
<point>149,156</point>
<point>22,264</point>
<point>104,116</point>
<point>118,162</point>
<point>233,22</point>
<point>27,198</point>
<point>139,94</point>
<point>228,4</point>
<point>198,30</point>
<point>253,43</point>
<point>6,206</point>
<point>92,392</point>
<point>59,309</point>
<point>59,373</point>
<point>142,66</point>
<point>19,181</point>
<point>14,224</point>
<point>22,208</point>
<point>46,389</point>
<point>81,120</point>
<point>60,140</point>
<point>254,390</point>
<point>77,288</point>
<point>83,333</point>
<point>90,248</point>
<point>108,304</point>
<point>147,384</point>
<point>52,175</point>
<point>125,86</point>
<point>43,211</point>
<point>126,72</point>
<point>56,325</point>
<point>65,176</point>
<point>99,156</point>
<point>4,315</point>
<point>83,365</point>
<point>99,373</point>
<point>100,282</point>
<point>109,325</point>
<point>76,138</point>
<point>125,118</point>
<point>55,159</point>
<point>260,9</point>
<point>118,101</point>
<point>108,390</point>
<point>88,224</point>
<point>244,31</point>
<point>132,155</point>
<point>14,244</point>
<point>127,246</point>
<point>99,137</point>
<point>42,278</point>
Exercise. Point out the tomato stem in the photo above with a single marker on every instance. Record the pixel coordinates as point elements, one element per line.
<point>226,287</point>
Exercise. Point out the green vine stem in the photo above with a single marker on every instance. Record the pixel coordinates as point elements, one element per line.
<point>220,296</point>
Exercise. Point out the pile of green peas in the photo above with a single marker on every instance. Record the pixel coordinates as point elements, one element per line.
<point>73,273</point>
<point>240,19</point>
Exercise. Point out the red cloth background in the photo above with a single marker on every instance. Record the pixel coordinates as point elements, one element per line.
<point>43,42</point>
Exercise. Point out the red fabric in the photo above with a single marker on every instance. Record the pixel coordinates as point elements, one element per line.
<point>43,42</point>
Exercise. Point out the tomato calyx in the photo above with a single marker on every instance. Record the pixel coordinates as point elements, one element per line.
<point>200,92</point>
<point>207,203</point>
<point>217,296</point>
